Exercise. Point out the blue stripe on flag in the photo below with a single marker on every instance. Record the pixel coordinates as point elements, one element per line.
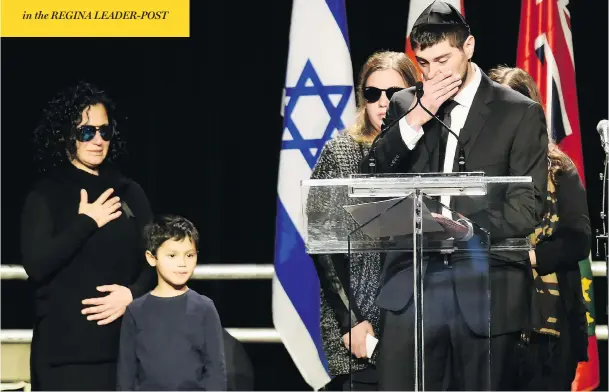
<point>293,267</point>
<point>337,7</point>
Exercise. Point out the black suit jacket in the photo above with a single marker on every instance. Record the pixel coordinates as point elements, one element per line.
<point>505,134</point>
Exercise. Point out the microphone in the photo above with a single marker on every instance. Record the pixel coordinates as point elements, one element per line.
<point>385,128</point>
<point>603,131</point>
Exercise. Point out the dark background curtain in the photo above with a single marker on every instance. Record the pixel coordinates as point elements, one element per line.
<point>203,130</point>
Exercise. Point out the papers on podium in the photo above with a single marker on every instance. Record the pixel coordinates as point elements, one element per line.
<point>392,217</point>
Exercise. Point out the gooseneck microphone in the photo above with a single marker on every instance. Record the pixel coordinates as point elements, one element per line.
<point>384,128</point>
<point>461,155</point>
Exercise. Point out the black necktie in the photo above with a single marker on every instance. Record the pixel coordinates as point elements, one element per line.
<point>445,111</point>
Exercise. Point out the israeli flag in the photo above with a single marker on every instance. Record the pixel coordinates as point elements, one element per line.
<point>318,102</point>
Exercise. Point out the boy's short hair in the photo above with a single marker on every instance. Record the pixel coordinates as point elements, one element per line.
<point>426,36</point>
<point>169,227</point>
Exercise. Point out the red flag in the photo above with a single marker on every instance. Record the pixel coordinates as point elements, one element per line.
<point>545,51</point>
<point>416,7</point>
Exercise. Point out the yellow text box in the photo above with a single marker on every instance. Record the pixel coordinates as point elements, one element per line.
<point>101,18</point>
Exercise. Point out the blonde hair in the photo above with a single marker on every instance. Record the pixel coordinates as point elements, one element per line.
<point>362,131</point>
<point>519,80</point>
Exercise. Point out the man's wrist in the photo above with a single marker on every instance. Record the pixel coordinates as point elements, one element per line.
<point>416,119</point>
<point>470,229</point>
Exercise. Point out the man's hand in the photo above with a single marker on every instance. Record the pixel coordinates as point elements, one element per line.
<point>108,308</point>
<point>437,90</point>
<point>358,338</point>
<point>453,228</point>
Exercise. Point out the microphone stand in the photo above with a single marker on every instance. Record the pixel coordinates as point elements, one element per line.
<point>604,236</point>
<point>417,237</point>
<point>384,129</point>
<point>461,155</point>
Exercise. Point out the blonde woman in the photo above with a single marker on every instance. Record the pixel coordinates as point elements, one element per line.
<point>383,74</point>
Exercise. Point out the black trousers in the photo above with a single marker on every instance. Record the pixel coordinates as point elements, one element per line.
<point>455,357</point>
<point>100,376</point>
<point>550,365</point>
<point>362,380</point>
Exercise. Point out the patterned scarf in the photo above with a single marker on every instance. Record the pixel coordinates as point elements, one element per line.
<point>546,295</point>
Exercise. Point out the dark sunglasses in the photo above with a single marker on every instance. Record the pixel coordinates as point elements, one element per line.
<point>373,94</point>
<point>86,133</point>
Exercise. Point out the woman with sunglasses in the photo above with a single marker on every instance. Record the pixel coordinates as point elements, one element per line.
<point>80,243</point>
<point>383,74</point>
<point>557,340</point>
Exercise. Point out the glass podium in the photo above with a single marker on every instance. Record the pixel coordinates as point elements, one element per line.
<point>434,236</point>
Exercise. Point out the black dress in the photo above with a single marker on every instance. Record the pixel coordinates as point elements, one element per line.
<point>67,256</point>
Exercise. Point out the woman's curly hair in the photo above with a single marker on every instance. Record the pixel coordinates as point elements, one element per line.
<point>55,134</point>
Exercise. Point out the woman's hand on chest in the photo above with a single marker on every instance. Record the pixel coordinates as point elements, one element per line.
<point>102,210</point>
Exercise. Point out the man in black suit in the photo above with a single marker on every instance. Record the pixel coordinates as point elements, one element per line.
<point>503,134</point>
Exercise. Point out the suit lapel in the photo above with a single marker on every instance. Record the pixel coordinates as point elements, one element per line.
<point>477,117</point>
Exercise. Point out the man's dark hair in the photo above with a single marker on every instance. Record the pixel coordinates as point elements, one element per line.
<point>169,227</point>
<point>425,36</point>
<point>55,134</point>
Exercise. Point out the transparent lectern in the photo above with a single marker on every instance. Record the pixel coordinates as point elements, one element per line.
<point>431,268</point>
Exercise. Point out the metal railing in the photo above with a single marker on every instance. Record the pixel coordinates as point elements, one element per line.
<point>245,335</point>
<point>231,271</point>
<point>202,272</point>
<point>228,272</point>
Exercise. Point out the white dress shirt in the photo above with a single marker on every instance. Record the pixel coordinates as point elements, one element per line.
<point>458,117</point>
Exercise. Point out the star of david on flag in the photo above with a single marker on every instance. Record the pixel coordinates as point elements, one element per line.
<point>309,85</point>
<point>318,102</point>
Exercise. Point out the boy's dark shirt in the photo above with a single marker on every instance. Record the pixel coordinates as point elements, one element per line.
<point>172,343</point>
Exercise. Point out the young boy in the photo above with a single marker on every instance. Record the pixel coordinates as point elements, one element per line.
<point>171,338</point>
